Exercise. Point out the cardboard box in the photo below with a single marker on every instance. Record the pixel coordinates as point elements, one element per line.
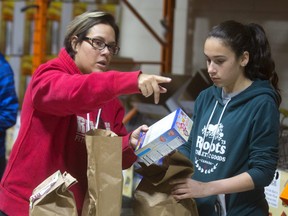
<point>164,136</point>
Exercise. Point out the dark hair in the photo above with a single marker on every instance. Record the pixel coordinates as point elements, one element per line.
<point>251,38</point>
<point>81,25</point>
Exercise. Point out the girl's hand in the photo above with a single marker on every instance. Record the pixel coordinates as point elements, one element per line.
<point>188,188</point>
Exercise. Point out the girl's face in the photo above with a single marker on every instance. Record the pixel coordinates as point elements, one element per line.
<point>225,70</point>
<point>87,58</point>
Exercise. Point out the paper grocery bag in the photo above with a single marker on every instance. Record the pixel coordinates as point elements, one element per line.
<point>104,173</point>
<point>152,195</point>
<point>52,196</point>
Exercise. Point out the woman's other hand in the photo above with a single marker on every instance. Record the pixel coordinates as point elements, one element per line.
<point>135,135</point>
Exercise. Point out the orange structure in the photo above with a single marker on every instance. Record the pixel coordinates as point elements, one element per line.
<point>167,42</point>
<point>39,40</point>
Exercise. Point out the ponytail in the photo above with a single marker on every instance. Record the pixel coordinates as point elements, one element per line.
<point>261,64</point>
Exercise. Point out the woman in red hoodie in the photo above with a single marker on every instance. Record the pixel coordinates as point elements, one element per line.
<point>64,96</point>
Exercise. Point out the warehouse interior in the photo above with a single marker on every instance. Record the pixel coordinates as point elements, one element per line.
<point>163,37</point>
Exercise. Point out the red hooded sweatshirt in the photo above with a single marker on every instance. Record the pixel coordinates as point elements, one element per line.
<point>53,126</point>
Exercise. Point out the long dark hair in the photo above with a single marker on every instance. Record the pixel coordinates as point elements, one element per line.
<point>251,38</point>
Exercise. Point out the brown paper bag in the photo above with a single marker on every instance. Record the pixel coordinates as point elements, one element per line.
<point>52,197</point>
<point>104,172</point>
<point>152,195</point>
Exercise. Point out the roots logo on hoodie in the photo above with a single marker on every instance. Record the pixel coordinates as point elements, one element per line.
<point>210,148</point>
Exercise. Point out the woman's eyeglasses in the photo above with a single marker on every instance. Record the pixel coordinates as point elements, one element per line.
<point>100,45</point>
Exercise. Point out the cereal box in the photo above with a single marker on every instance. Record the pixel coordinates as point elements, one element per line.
<point>163,137</point>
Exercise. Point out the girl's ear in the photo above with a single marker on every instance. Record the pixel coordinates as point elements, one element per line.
<point>244,59</point>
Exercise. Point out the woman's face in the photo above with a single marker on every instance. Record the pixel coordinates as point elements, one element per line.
<point>89,59</point>
<point>225,70</point>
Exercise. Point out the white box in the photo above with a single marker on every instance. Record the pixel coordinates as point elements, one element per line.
<point>164,136</point>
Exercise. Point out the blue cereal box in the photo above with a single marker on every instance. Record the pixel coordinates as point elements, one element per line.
<point>163,137</point>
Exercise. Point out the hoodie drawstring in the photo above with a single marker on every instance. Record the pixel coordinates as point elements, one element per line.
<point>205,132</point>
<point>218,123</point>
<point>208,123</point>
